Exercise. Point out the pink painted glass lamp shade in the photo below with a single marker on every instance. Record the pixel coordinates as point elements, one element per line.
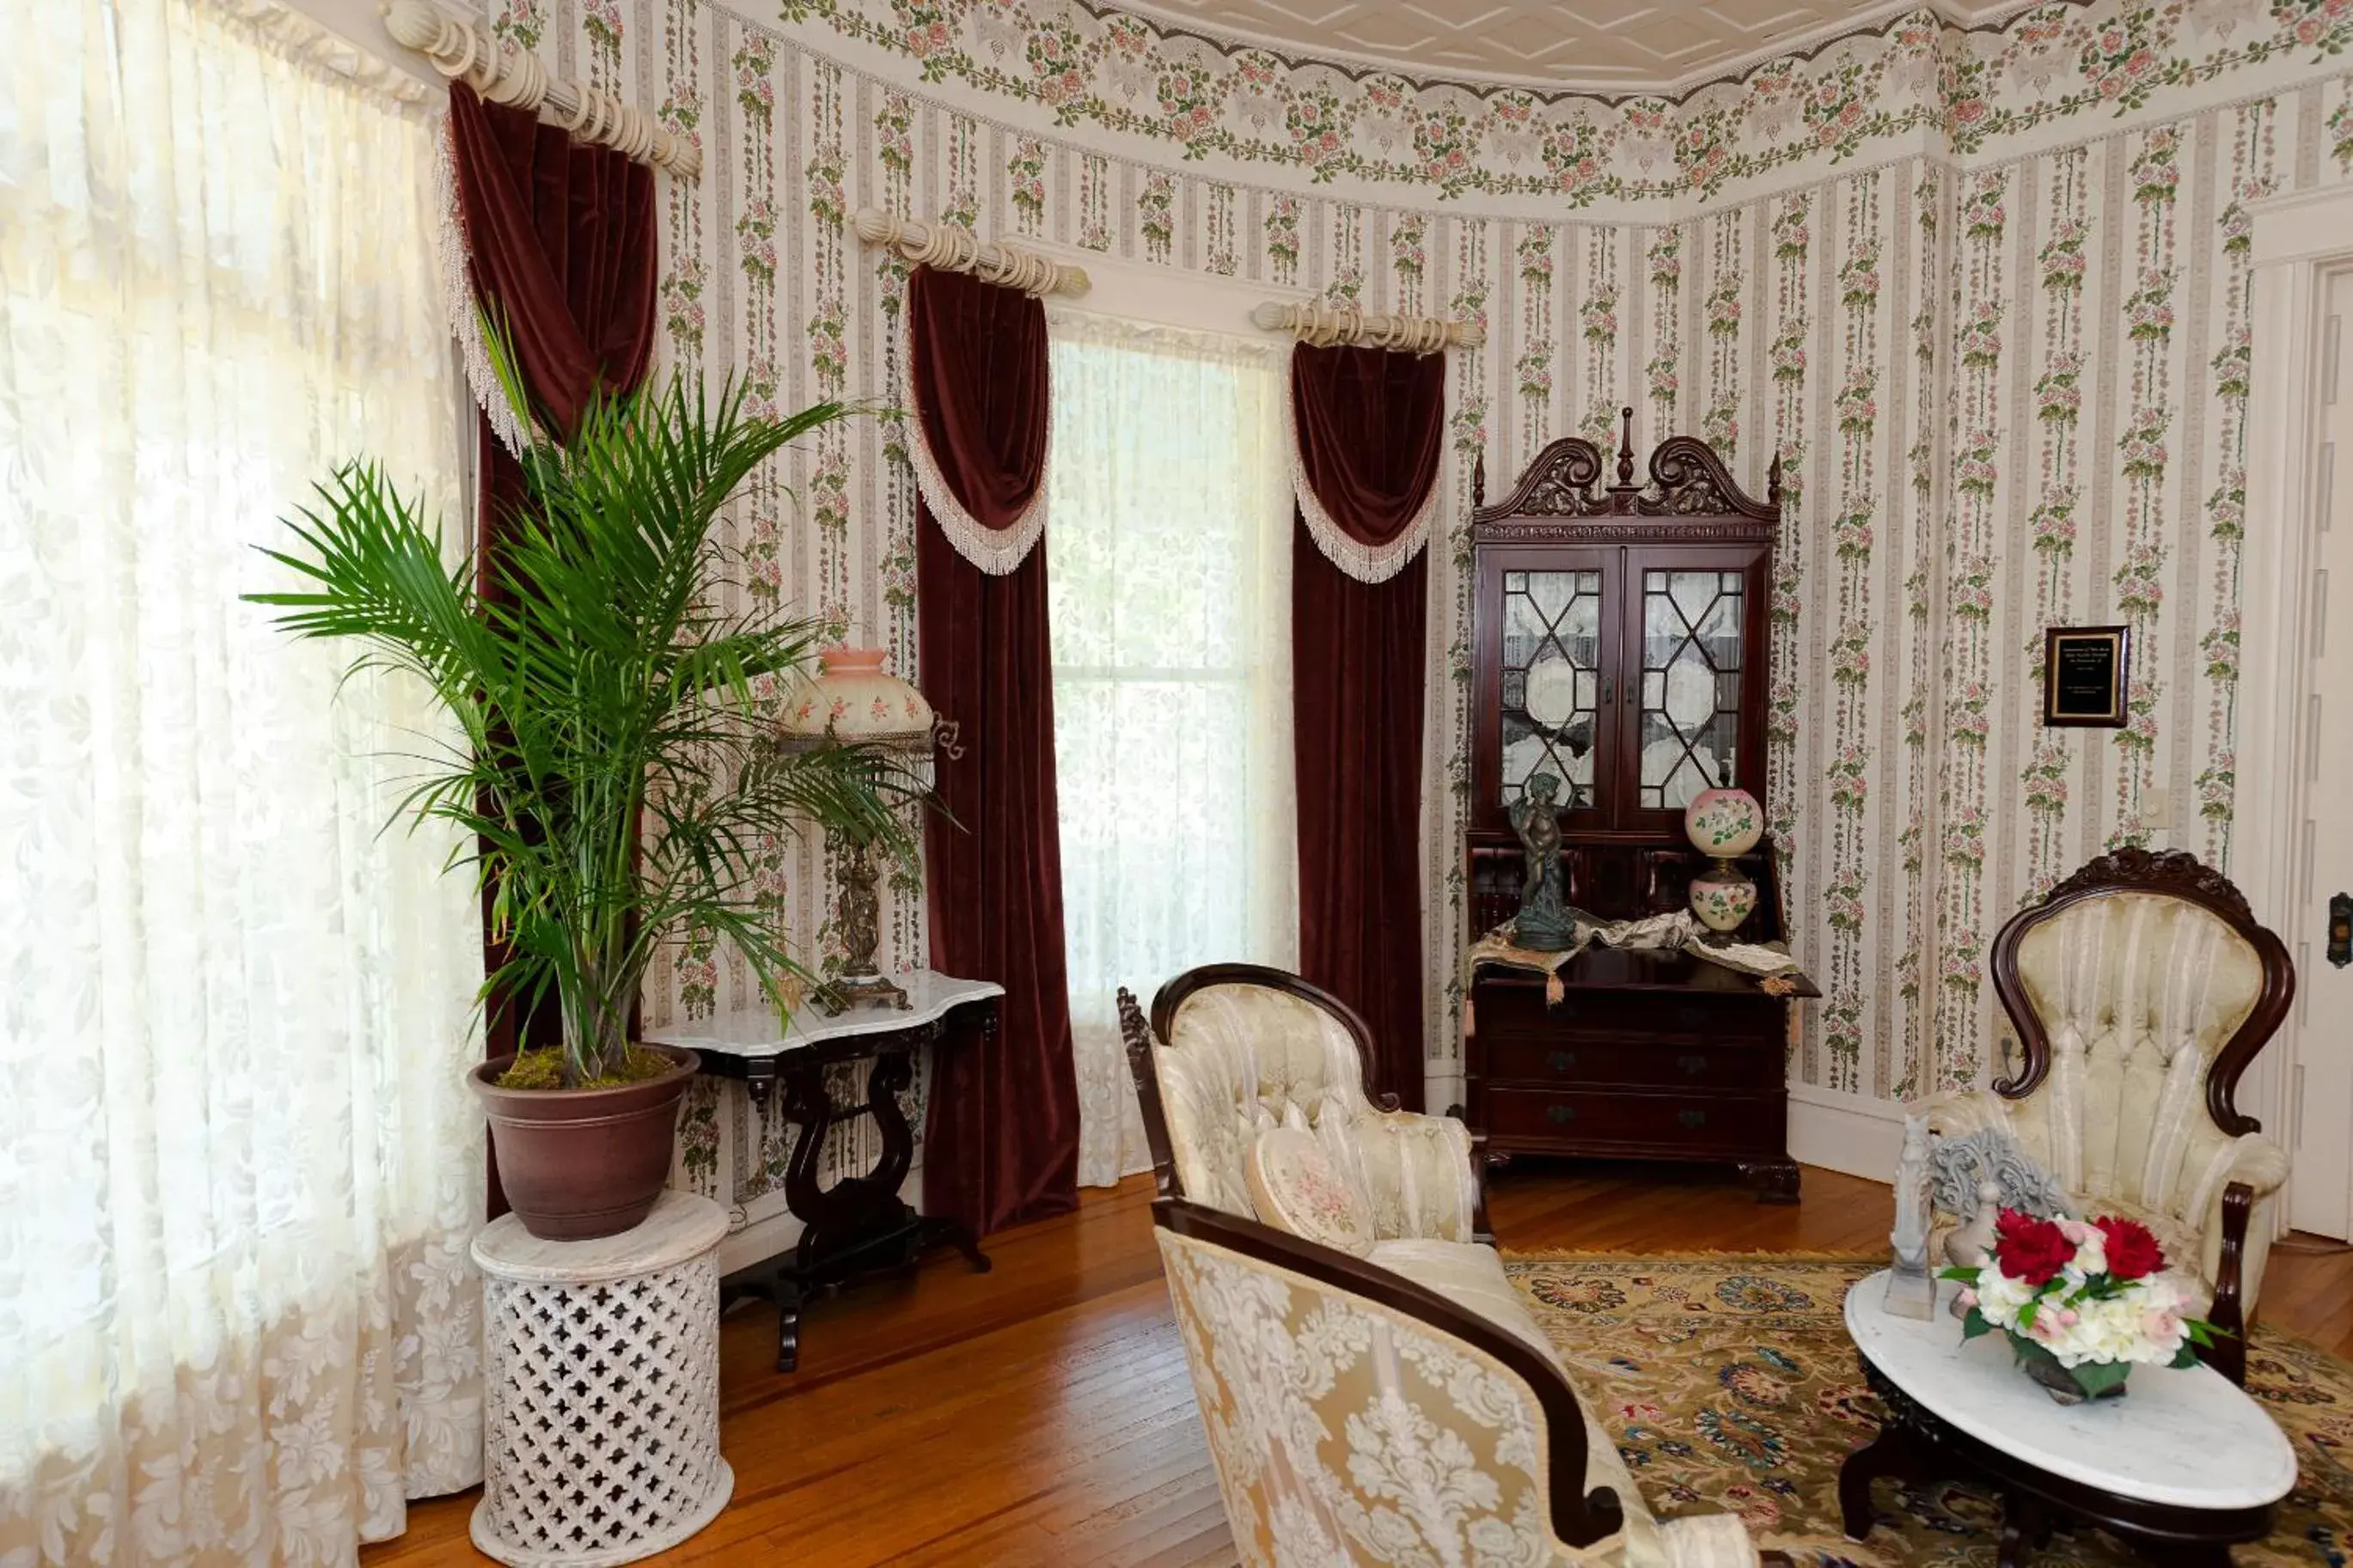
<point>853,697</point>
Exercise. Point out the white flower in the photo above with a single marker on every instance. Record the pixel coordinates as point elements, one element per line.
<point>2140,1322</point>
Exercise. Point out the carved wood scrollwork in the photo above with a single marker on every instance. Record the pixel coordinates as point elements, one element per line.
<point>1686,479</point>
<point>1692,481</point>
<point>1560,483</point>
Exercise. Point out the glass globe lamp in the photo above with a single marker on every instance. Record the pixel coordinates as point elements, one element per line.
<point>854,700</point>
<point>1723,825</point>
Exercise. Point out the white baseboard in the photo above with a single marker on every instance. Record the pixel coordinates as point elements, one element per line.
<point>1845,1133</point>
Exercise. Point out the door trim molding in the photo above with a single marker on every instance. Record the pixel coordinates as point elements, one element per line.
<point>2299,242</point>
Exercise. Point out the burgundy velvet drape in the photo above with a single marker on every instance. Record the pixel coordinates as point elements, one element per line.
<point>1003,1128</point>
<point>560,236</point>
<point>1370,422</point>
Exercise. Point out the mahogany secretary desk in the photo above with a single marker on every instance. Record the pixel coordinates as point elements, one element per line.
<point>1620,641</point>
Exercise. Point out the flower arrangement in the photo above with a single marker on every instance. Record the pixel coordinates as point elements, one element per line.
<point>2083,1301</point>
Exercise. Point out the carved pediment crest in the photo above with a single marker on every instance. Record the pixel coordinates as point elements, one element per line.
<point>1686,479</point>
<point>1560,483</point>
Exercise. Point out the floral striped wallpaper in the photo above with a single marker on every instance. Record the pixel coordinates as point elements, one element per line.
<point>1985,292</point>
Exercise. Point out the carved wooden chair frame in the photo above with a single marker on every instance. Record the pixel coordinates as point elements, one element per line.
<point>1136,1037</point>
<point>1579,1517</point>
<point>2174,874</point>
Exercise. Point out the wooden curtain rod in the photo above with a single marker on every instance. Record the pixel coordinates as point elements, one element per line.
<point>1324,326</point>
<point>464,51</point>
<point>951,248</point>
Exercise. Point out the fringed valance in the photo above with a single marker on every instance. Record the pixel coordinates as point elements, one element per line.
<point>465,51</point>
<point>948,248</point>
<point>1324,327</point>
<point>1366,431</point>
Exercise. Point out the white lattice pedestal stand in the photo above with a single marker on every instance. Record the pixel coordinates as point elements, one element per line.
<point>601,1435</point>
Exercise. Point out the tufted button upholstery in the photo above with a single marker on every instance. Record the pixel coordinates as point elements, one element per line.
<point>1241,1058</point>
<point>2137,993</point>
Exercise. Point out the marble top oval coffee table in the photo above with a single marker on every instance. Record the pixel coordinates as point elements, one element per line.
<point>2180,1467</point>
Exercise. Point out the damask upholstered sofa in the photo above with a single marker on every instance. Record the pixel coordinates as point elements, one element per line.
<point>1415,1356</point>
<point>2141,989</point>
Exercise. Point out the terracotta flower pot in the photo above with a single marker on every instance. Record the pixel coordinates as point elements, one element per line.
<point>584,1162</point>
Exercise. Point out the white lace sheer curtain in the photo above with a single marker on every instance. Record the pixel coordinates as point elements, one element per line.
<point>1170,490</point>
<point>238,1167</point>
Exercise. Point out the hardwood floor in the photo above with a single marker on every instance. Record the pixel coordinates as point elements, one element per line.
<point>1041,1414</point>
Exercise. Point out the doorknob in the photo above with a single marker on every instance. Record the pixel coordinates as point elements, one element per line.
<point>2340,930</point>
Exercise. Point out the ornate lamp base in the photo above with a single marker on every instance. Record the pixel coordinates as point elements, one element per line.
<point>838,995</point>
<point>860,918</point>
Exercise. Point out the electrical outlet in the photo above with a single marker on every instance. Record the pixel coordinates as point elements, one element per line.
<point>2157,806</point>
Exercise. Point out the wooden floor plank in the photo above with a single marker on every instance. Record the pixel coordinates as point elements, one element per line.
<point>1040,1416</point>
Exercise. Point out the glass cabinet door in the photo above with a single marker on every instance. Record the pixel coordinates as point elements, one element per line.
<point>1694,624</point>
<point>1551,697</point>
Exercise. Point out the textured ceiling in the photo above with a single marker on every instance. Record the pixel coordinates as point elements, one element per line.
<point>1608,46</point>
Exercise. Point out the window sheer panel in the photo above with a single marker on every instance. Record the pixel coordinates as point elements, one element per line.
<point>1170,490</point>
<point>238,1165</point>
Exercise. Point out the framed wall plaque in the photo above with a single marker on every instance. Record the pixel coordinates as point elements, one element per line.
<point>2084,678</point>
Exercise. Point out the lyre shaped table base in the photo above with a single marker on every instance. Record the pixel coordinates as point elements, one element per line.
<point>859,1226</point>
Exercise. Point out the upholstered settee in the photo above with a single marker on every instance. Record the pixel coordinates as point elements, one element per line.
<point>2140,990</point>
<point>1286,1333</point>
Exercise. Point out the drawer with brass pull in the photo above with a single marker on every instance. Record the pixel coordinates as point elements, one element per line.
<point>1659,1064</point>
<point>1514,1012</point>
<point>1603,1123</point>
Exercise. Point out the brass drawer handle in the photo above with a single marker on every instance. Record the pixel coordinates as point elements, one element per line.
<point>1561,1061</point>
<point>1691,1066</point>
<point>1561,1113</point>
<point>1692,1118</point>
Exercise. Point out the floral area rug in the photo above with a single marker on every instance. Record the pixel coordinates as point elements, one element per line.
<point>1730,1384</point>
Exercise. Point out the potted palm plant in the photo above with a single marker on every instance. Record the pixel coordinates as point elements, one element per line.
<point>610,761</point>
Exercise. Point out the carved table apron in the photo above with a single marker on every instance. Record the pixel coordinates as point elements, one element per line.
<point>860,1227</point>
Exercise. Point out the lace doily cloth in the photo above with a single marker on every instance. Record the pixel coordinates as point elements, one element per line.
<point>1677,930</point>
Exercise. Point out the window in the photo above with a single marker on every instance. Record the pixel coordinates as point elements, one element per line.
<point>1169,525</point>
<point>235,1134</point>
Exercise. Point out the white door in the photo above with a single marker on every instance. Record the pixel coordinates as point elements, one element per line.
<point>2321,1096</point>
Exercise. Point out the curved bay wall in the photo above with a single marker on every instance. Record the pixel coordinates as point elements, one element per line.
<point>1985,292</point>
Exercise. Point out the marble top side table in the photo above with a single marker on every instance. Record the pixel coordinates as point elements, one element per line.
<point>601,1389</point>
<point>859,1225</point>
<point>2181,1468</point>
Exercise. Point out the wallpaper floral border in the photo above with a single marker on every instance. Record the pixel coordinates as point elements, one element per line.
<point>2007,373</point>
<point>1914,83</point>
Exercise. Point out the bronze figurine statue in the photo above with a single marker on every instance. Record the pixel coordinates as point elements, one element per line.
<point>1544,923</point>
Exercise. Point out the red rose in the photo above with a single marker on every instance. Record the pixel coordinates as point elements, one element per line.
<point>2030,1251</point>
<point>2133,1252</point>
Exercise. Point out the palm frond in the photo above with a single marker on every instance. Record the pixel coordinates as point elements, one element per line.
<point>616,782</point>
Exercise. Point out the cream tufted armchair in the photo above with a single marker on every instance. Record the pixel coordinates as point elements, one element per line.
<point>1250,1048</point>
<point>2140,991</point>
<point>1418,1352</point>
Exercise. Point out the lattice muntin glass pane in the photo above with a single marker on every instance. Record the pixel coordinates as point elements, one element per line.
<point>1551,664</point>
<point>1693,628</point>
